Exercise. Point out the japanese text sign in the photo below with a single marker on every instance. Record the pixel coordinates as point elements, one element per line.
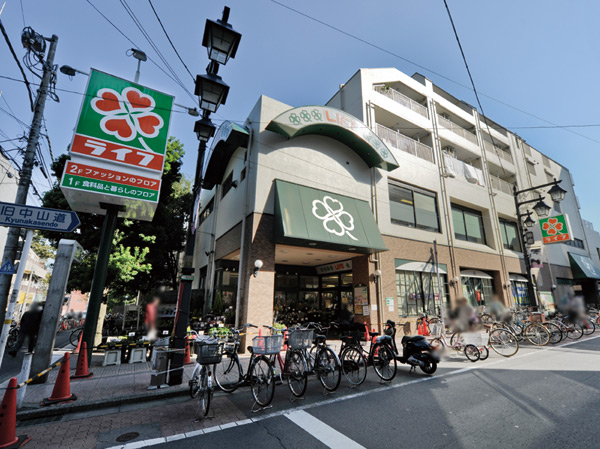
<point>555,229</point>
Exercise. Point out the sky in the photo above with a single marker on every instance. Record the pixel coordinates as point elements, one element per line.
<point>536,56</point>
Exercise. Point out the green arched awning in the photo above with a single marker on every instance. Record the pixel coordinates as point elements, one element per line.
<point>229,137</point>
<point>338,125</point>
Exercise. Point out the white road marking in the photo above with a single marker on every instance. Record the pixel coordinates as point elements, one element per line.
<point>152,442</point>
<point>321,431</point>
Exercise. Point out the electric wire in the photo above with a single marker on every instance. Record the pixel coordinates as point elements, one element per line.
<point>14,55</point>
<point>396,55</point>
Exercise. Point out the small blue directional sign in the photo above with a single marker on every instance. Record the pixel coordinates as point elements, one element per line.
<point>32,217</point>
<point>7,268</point>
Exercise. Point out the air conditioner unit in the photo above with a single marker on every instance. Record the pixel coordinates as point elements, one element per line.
<point>449,151</point>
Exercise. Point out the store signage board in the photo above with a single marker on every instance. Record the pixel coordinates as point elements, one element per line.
<point>41,218</point>
<point>555,229</point>
<point>335,267</point>
<point>118,150</point>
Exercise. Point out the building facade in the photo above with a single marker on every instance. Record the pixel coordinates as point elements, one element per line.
<point>330,212</point>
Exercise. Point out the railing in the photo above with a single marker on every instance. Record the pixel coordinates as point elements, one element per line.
<point>501,185</point>
<point>490,148</point>
<point>457,129</point>
<point>404,143</point>
<point>455,168</point>
<point>402,99</point>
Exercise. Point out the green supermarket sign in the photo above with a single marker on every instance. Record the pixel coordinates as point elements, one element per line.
<point>555,229</point>
<point>123,123</point>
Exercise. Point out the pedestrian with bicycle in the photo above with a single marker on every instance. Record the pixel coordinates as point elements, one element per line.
<point>29,328</point>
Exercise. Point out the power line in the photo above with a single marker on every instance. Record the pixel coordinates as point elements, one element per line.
<point>14,55</point>
<point>22,13</point>
<point>396,55</point>
<point>169,39</point>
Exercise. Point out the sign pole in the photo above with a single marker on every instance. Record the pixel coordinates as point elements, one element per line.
<point>15,293</point>
<point>439,281</point>
<point>526,258</point>
<point>100,271</point>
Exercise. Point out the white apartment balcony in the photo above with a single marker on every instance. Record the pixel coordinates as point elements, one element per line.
<point>500,185</point>
<point>502,154</point>
<point>457,129</point>
<point>399,97</point>
<point>455,168</point>
<point>404,143</point>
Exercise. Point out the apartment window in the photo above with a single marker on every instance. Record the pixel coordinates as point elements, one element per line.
<point>576,243</point>
<point>243,174</point>
<point>206,212</point>
<point>531,168</point>
<point>468,224</point>
<point>413,207</point>
<point>227,184</point>
<point>546,161</point>
<point>510,235</point>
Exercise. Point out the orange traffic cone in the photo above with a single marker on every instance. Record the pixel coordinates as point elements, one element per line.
<point>79,344</point>
<point>187,359</point>
<point>62,386</point>
<point>8,418</point>
<point>82,371</point>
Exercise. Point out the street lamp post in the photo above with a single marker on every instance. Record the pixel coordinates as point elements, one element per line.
<point>221,41</point>
<point>557,194</point>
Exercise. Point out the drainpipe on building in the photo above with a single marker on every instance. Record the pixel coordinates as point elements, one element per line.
<point>241,276</point>
<point>210,267</point>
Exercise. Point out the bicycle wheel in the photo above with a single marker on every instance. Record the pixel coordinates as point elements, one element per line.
<point>12,339</point>
<point>384,362</point>
<point>327,366</point>
<point>262,383</point>
<point>194,381</point>
<point>228,373</point>
<point>503,342</point>
<point>354,365</point>
<point>456,339</point>
<point>574,331</point>
<point>486,318</point>
<point>296,372</point>
<point>537,334</point>
<point>588,326</point>
<point>472,353</point>
<point>556,334</point>
<point>484,352</point>
<point>204,393</point>
<point>437,344</point>
<point>74,337</point>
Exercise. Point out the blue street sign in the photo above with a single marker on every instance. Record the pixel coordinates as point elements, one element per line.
<point>7,268</point>
<point>31,217</point>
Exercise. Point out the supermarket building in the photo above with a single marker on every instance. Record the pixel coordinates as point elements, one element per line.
<point>328,212</point>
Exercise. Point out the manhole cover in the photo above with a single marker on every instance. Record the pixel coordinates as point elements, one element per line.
<point>127,437</point>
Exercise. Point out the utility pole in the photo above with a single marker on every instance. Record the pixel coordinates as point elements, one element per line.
<point>12,239</point>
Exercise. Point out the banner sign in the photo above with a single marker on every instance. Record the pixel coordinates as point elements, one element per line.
<point>33,217</point>
<point>555,229</point>
<point>118,150</point>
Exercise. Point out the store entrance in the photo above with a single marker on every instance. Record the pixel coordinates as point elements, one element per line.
<point>302,295</point>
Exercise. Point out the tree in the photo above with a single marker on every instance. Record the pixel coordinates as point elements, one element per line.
<point>145,254</point>
<point>42,247</point>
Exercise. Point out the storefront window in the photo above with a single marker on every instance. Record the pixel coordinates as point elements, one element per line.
<point>346,279</point>
<point>478,291</point>
<point>309,281</point>
<point>330,281</point>
<point>417,292</point>
<point>519,293</point>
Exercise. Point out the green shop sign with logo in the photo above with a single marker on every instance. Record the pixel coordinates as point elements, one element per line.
<point>555,229</point>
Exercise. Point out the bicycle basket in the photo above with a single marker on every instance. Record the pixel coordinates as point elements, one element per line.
<point>301,338</point>
<point>208,352</point>
<point>270,344</point>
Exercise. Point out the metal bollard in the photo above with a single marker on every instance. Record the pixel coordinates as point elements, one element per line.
<point>22,377</point>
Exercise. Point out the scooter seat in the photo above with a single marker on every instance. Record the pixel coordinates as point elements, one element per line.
<point>412,339</point>
<point>384,339</point>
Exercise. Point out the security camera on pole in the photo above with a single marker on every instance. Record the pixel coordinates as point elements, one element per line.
<point>221,41</point>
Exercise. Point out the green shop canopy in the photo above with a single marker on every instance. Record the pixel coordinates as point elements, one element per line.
<point>338,125</point>
<point>310,217</point>
<point>229,137</point>
<point>583,267</point>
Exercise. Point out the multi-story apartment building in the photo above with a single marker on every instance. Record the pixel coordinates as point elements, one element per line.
<point>328,214</point>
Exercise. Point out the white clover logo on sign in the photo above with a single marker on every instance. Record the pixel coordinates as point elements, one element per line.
<point>127,114</point>
<point>335,219</point>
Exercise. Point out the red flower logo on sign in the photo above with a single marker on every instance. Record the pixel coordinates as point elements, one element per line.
<point>127,114</point>
<point>552,226</point>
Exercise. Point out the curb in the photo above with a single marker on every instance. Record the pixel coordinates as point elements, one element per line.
<point>73,407</point>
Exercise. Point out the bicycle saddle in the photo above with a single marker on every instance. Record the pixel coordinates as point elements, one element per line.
<point>250,349</point>
<point>320,338</point>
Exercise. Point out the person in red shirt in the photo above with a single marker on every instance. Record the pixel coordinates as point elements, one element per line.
<point>150,320</point>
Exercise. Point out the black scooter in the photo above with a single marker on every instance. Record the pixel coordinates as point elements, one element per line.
<point>416,351</point>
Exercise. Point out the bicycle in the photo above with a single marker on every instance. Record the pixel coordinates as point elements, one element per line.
<point>380,356</point>
<point>229,374</point>
<point>322,360</point>
<point>535,333</point>
<point>75,336</point>
<point>13,335</point>
<point>208,352</point>
<point>457,343</point>
<point>572,330</point>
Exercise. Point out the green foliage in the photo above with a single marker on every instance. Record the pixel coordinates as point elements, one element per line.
<point>145,254</point>
<point>42,247</point>
<point>219,332</point>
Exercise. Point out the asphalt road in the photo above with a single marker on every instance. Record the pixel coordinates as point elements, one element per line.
<point>541,398</point>
<point>11,366</point>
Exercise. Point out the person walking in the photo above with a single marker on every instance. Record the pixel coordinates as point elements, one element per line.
<point>29,328</point>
